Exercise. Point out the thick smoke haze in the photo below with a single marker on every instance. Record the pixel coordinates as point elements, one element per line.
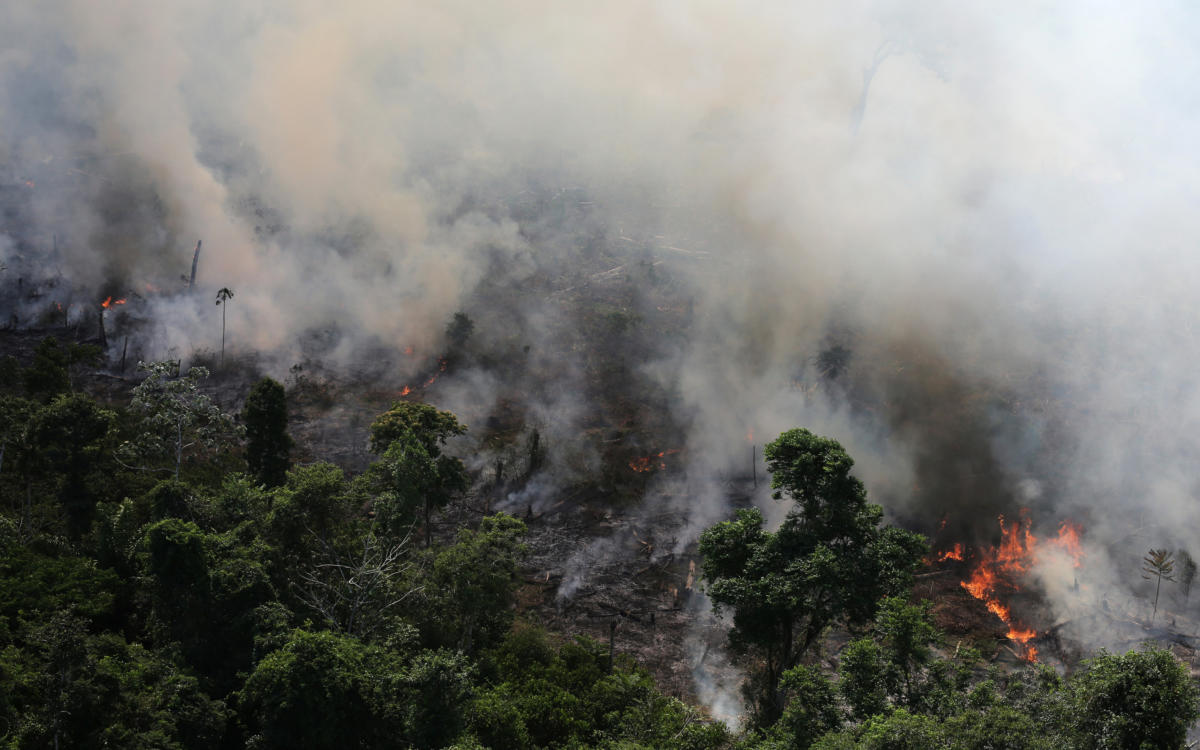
<point>961,240</point>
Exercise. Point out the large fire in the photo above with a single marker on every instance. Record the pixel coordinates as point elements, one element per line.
<point>998,571</point>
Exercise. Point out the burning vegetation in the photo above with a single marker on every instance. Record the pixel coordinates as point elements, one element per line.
<point>998,573</point>
<point>583,297</point>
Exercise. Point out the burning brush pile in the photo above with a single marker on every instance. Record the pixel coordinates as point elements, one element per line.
<point>999,575</point>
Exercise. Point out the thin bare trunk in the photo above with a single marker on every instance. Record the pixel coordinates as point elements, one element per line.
<point>1157,589</point>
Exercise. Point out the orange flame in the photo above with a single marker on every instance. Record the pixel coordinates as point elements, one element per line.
<point>1068,540</point>
<point>119,302</point>
<point>956,553</point>
<point>1001,566</point>
<point>434,377</point>
<point>106,302</point>
<point>405,390</point>
<point>650,463</point>
<point>408,350</point>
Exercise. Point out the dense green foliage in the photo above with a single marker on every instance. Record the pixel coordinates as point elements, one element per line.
<point>829,562</point>
<point>268,445</point>
<point>155,594</point>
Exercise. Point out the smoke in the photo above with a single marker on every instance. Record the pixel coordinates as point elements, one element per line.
<point>957,239</point>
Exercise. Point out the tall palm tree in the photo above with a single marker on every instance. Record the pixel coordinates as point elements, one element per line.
<point>1161,565</point>
<point>223,296</point>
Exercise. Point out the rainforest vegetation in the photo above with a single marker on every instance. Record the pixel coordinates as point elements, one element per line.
<point>170,578</point>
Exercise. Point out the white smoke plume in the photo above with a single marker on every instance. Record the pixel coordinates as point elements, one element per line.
<point>960,239</point>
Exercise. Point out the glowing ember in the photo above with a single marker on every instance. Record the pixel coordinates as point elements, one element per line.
<point>650,463</point>
<point>434,377</point>
<point>999,568</point>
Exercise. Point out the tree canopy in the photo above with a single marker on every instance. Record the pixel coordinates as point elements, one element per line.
<point>830,560</point>
<point>268,445</point>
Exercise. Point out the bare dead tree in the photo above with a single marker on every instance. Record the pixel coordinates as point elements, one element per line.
<point>195,261</point>
<point>354,592</point>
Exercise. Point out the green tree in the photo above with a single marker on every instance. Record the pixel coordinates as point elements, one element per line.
<point>907,635</point>
<point>204,589</point>
<point>322,690</point>
<point>413,468</point>
<point>1002,727</point>
<point>830,561</point>
<point>472,584</point>
<point>1141,699</point>
<point>49,374</point>
<point>542,696</point>
<point>899,730</point>
<point>812,710</point>
<point>268,445</point>
<point>310,512</point>
<point>432,427</point>
<point>14,420</point>
<point>863,683</point>
<point>67,438</point>
<point>66,688</point>
<point>175,419</point>
<point>224,294</point>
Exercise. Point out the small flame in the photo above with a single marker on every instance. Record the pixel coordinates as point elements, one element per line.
<point>749,434</point>
<point>405,390</point>
<point>408,350</point>
<point>105,304</point>
<point>434,377</point>
<point>956,553</point>
<point>650,463</point>
<point>119,302</point>
<point>29,183</point>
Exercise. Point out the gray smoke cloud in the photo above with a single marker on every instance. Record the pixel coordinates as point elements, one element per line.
<point>958,239</point>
